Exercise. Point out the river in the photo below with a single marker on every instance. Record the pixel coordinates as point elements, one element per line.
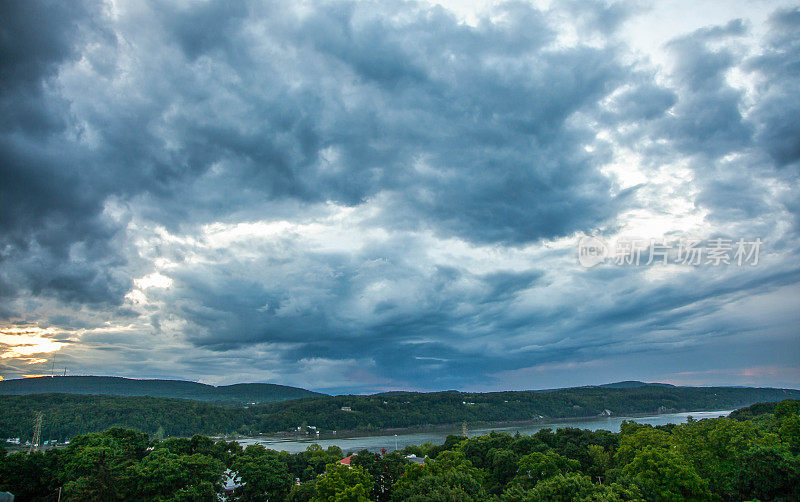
<point>400,441</point>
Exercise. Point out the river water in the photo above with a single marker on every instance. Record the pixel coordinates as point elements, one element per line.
<point>400,441</point>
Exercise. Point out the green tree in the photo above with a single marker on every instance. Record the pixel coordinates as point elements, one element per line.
<point>178,446</point>
<point>635,437</point>
<point>503,469</point>
<point>789,432</point>
<point>571,487</point>
<point>95,464</point>
<point>303,492</point>
<point>316,459</point>
<point>166,476</point>
<point>264,474</point>
<point>480,450</point>
<point>664,475</point>
<point>537,466</point>
<point>787,408</point>
<point>30,476</point>
<point>450,477</point>
<point>714,449</point>
<point>769,474</point>
<point>600,461</point>
<point>202,445</point>
<point>384,470</point>
<point>342,483</point>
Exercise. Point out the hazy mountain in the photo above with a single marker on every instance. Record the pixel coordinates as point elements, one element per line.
<point>632,384</point>
<point>117,386</point>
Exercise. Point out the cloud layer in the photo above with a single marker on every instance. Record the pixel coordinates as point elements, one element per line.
<point>354,196</point>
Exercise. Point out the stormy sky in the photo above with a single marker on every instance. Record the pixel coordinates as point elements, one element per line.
<point>366,196</point>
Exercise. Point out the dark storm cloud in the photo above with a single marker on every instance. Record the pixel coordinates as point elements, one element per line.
<point>485,109</point>
<point>643,101</point>
<point>505,284</point>
<point>735,198</point>
<point>328,306</point>
<point>133,132</point>
<point>711,122</point>
<point>707,119</point>
<point>34,39</point>
<point>203,28</point>
<point>503,162</point>
<point>454,327</point>
<point>777,113</point>
<point>602,17</point>
<point>54,241</point>
<point>708,122</point>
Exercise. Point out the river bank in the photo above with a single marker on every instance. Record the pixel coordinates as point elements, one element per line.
<point>391,439</point>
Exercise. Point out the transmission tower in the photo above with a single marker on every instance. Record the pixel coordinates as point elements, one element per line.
<point>37,433</point>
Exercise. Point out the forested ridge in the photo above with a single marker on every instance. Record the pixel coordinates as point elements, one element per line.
<point>755,456</point>
<point>241,393</point>
<point>416,409</point>
<point>65,416</point>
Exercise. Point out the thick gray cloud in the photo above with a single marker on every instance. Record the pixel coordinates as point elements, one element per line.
<point>355,195</point>
<point>348,106</point>
<point>54,240</point>
<point>776,113</point>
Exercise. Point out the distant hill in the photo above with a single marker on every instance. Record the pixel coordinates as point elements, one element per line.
<point>68,414</point>
<point>242,393</point>
<point>386,411</point>
<point>632,384</point>
<point>627,384</point>
<point>760,409</point>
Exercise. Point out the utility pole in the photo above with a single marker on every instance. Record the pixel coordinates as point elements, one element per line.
<point>37,433</point>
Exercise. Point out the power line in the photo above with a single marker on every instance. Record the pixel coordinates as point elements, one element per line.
<point>37,432</point>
